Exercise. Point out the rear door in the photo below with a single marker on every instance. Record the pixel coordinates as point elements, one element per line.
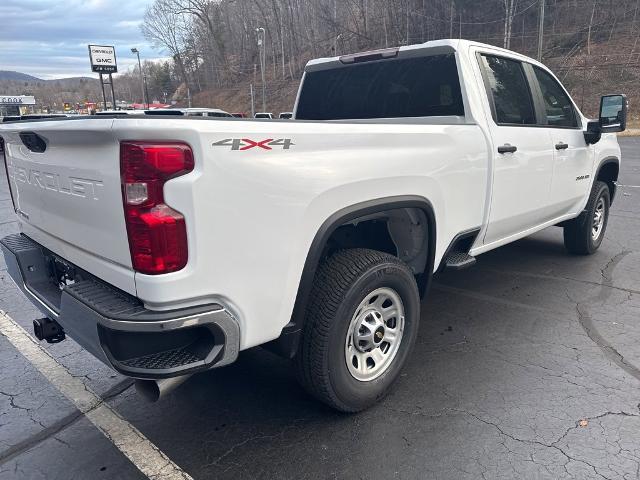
<point>523,155</point>
<point>573,160</point>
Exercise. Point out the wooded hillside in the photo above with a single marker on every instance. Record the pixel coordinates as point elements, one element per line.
<point>214,56</point>
<point>592,45</point>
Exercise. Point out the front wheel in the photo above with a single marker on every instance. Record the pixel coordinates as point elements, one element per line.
<point>584,234</point>
<point>361,324</point>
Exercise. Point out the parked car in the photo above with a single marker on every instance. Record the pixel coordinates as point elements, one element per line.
<point>179,112</point>
<point>206,112</point>
<point>119,112</point>
<point>190,112</point>
<point>286,115</point>
<point>239,115</point>
<point>183,242</point>
<point>264,115</point>
<point>32,116</point>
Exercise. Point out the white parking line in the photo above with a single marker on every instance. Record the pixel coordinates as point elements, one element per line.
<point>148,458</point>
<point>628,186</point>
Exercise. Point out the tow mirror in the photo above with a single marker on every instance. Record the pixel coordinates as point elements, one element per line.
<point>613,113</point>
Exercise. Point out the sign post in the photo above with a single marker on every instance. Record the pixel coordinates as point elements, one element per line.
<point>104,97</point>
<point>103,61</point>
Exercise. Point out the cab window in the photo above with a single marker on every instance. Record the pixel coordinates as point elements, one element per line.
<point>558,106</point>
<point>507,84</point>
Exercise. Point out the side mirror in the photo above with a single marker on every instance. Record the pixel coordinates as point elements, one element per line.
<point>613,113</point>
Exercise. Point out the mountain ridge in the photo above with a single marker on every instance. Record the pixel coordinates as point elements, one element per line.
<point>12,75</point>
<point>18,76</point>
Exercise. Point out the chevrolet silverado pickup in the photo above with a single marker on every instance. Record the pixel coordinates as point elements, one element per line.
<point>165,246</point>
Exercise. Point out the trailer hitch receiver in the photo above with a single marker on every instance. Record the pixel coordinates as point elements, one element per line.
<point>49,330</point>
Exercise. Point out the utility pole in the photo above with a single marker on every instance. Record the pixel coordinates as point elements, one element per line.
<point>261,41</point>
<point>335,46</point>
<point>284,73</point>
<point>540,29</point>
<point>593,11</point>
<point>143,82</point>
<point>253,103</point>
<point>451,21</point>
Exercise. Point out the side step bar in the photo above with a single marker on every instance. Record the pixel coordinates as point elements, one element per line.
<point>459,261</point>
<point>457,255</point>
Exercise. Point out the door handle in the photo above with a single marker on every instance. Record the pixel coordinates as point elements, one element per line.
<point>506,148</point>
<point>561,146</point>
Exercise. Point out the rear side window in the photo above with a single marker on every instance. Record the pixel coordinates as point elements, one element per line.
<point>558,106</point>
<point>510,91</point>
<point>399,88</point>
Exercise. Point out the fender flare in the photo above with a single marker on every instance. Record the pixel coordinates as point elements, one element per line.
<point>287,344</point>
<point>608,161</point>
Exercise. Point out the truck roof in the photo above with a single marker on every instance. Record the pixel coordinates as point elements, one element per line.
<point>443,46</point>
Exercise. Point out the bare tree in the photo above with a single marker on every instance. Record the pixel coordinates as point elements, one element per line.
<point>165,27</point>
<point>214,42</point>
<point>509,12</point>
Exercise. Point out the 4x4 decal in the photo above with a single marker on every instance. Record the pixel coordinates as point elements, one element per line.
<point>242,144</point>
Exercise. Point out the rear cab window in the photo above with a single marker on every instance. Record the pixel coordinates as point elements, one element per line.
<point>426,86</point>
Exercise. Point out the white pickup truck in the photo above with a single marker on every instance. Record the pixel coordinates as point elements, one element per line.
<point>164,246</point>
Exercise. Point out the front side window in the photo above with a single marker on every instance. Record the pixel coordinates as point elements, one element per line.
<point>560,111</point>
<point>393,88</point>
<point>510,91</point>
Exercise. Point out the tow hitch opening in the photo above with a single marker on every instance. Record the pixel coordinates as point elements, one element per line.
<point>49,330</point>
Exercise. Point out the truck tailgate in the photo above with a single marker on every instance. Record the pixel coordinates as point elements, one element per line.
<point>69,194</point>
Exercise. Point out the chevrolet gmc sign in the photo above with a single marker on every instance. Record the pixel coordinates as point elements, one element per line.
<point>103,59</point>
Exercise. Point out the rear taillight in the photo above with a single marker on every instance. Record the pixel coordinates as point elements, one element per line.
<point>157,233</point>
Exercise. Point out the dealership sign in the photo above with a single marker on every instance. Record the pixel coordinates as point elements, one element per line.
<point>17,100</point>
<point>103,59</point>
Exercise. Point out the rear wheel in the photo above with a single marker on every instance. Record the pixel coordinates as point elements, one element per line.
<point>584,234</point>
<point>362,321</point>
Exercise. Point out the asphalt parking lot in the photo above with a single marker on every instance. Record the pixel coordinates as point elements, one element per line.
<point>526,366</point>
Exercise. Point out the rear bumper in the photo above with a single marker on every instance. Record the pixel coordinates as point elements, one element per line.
<point>115,326</point>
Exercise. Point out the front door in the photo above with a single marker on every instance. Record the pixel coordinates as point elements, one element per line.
<point>523,152</point>
<point>573,160</point>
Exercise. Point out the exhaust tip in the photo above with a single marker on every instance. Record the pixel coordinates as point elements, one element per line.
<point>154,390</point>
<point>148,389</point>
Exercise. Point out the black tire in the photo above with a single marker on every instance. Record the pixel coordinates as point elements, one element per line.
<point>578,238</point>
<point>341,283</point>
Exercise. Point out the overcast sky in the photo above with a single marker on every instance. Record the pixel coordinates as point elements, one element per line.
<point>49,38</point>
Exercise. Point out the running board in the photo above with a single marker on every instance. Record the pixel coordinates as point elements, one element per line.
<point>459,261</point>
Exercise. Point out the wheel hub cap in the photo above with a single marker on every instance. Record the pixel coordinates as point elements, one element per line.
<point>374,334</point>
<point>599,217</point>
<point>368,330</point>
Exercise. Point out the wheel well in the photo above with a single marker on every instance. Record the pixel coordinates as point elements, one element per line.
<point>396,225</point>
<point>402,232</point>
<point>608,173</point>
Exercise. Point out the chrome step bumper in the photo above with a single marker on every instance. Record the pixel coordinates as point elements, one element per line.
<point>116,327</point>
